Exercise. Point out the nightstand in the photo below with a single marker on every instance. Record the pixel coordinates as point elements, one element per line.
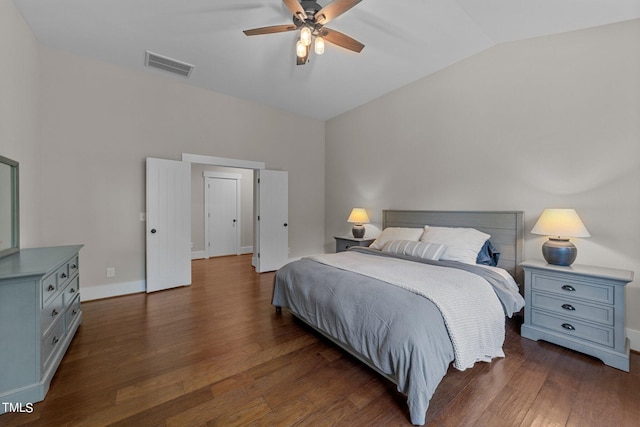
<point>345,242</point>
<point>579,307</point>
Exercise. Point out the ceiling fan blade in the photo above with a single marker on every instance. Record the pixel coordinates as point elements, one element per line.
<point>342,40</point>
<point>296,9</point>
<point>333,10</point>
<point>270,30</point>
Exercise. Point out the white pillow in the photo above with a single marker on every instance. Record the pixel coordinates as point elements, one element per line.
<point>418,249</point>
<point>396,233</point>
<point>463,244</point>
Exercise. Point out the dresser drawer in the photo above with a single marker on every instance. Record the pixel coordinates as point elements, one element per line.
<point>62,275</point>
<point>73,310</point>
<point>71,291</point>
<point>572,288</point>
<point>50,343</point>
<point>49,288</point>
<point>73,266</point>
<point>574,328</point>
<point>572,308</point>
<point>51,313</point>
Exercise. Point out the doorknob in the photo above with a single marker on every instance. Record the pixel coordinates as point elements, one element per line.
<point>153,231</point>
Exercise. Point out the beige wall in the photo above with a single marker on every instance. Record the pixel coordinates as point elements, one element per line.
<point>100,122</point>
<point>548,122</point>
<point>19,114</point>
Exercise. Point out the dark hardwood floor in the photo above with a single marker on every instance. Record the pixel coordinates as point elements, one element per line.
<point>216,353</point>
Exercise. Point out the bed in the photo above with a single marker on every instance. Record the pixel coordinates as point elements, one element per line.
<point>414,303</point>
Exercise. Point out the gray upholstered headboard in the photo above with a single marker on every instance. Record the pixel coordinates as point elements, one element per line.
<point>505,227</point>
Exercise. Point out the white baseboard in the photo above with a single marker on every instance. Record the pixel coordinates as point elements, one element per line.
<point>89,293</point>
<point>246,250</point>
<point>198,255</point>
<point>634,339</point>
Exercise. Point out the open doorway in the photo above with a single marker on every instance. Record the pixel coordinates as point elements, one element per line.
<point>203,227</point>
<point>270,209</point>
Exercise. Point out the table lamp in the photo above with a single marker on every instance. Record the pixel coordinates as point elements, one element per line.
<point>358,217</point>
<point>560,225</point>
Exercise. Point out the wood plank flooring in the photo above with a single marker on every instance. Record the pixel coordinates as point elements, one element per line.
<point>217,354</point>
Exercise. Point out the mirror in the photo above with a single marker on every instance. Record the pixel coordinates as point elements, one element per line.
<point>9,207</point>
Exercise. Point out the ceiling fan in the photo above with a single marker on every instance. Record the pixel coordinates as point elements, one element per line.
<point>310,18</point>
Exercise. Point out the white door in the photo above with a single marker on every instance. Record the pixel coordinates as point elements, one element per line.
<point>222,216</point>
<point>168,224</point>
<point>272,210</point>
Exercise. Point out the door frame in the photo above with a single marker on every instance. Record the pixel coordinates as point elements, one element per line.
<point>222,175</point>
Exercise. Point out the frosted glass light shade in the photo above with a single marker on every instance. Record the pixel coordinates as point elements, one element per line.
<point>301,49</point>
<point>560,223</point>
<point>319,46</point>
<point>305,36</point>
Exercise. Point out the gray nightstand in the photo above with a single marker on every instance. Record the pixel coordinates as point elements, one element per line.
<point>579,307</point>
<point>345,242</point>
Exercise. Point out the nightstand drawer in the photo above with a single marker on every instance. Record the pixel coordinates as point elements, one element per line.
<point>573,308</point>
<point>571,327</point>
<point>572,288</point>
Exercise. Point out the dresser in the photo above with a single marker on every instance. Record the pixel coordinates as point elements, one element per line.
<point>39,315</point>
<point>579,307</point>
<point>345,242</point>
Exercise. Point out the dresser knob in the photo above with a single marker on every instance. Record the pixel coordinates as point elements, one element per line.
<point>63,276</point>
<point>73,266</point>
<point>568,326</point>
<point>54,313</point>
<point>74,312</point>
<point>51,288</point>
<point>568,307</point>
<point>569,288</point>
<point>55,340</point>
<point>72,290</point>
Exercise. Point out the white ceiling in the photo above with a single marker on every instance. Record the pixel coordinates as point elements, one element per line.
<point>405,40</point>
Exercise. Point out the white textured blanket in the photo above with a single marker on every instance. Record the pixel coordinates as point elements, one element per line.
<point>470,308</point>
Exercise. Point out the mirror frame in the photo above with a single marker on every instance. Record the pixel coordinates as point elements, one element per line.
<point>15,206</point>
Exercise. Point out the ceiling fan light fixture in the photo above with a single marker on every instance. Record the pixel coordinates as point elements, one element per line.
<point>319,46</point>
<point>305,36</point>
<point>301,49</point>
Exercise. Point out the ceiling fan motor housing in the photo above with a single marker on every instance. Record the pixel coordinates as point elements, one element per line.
<point>310,8</point>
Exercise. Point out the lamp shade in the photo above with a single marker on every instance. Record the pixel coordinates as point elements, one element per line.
<point>358,216</point>
<point>561,223</point>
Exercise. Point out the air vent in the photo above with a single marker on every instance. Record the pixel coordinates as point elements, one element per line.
<point>160,62</point>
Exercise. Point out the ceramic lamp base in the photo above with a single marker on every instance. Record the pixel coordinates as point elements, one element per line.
<point>559,251</point>
<point>358,231</point>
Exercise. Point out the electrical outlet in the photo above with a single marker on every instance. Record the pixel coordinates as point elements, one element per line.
<point>111,271</point>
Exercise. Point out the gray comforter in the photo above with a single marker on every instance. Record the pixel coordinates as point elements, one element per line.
<point>399,333</point>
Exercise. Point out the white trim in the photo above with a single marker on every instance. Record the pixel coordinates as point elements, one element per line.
<point>89,293</point>
<point>634,339</point>
<point>246,250</point>
<point>223,175</point>
<point>221,161</point>
<point>198,255</point>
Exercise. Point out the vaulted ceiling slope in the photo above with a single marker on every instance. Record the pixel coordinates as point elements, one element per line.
<point>405,41</point>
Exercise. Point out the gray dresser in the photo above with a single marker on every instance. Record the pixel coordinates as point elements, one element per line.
<point>39,315</point>
<point>579,307</point>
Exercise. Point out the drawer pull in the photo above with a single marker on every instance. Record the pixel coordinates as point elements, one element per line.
<point>51,288</point>
<point>73,266</point>
<point>568,326</point>
<point>63,275</point>
<point>72,290</point>
<point>568,307</point>
<point>54,313</point>
<point>55,340</point>
<point>568,288</point>
<point>74,312</point>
